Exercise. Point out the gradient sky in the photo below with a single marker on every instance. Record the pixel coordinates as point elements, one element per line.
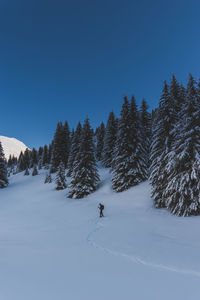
<point>62,60</point>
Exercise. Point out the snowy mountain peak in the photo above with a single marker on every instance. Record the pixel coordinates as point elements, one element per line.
<point>12,146</point>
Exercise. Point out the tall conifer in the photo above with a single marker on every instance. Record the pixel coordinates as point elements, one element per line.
<point>75,146</point>
<point>100,141</point>
<point>84,176</point>
<point>109,141</point>
<point>161,146</point>
<point>183,188</point>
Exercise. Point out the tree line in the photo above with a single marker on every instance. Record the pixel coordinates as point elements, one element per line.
<point>163,146</point>
<point>175,149</point>
<point>122,145</point>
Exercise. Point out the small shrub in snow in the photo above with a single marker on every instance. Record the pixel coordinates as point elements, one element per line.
<point>26,173</point>
<point>35,171</point>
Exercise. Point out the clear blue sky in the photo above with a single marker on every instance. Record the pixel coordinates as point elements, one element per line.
<point>62,60</point>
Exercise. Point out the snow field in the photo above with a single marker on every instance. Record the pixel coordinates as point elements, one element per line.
<point>52,247</point>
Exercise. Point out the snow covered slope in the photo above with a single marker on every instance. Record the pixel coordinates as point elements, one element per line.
<point>55,248</point>
<point>12,146</point>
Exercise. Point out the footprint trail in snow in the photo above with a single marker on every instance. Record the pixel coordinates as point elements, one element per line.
<point>133,258</point>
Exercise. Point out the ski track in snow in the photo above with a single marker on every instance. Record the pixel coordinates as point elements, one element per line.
<point>135,259</point>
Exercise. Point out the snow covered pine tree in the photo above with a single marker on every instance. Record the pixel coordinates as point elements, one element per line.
<point>145,120</point>
<point>183,188</point>
<point>60,146</point>
<point>161,146</point>
<point>128,164</point>
<point>84,176</point>
<point>100,133</point>
<point>109,141</point>
<point>60,177</point>
<point>75,146</point>
<point>122,152</point>
<point>3,169</point>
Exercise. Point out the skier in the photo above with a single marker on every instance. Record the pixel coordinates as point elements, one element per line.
<point>101,208</point>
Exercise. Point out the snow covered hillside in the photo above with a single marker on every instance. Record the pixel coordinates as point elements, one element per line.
<point>12,146</point>
<point>55,248</point>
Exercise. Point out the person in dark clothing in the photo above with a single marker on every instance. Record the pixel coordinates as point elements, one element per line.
<point>101,208</point>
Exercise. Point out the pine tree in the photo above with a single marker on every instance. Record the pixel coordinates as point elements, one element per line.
<point>56,155</point>
<point>69,163</point>
<point>33,158</point>
<point>129,166</point>
<point>53,169</point>
<point>139,164</point>
<point>14,160</point>
<point>60,177</point>
<point>15,165</point>
<point>10,161</point>
<point>48,178</point>
<point>176,97</point>
<point>182,96</point>
<point>40,152</point>
<point>66,143</point>
<point>3,169</point>
<point>26,173</point>
<point>122,180</point>
<point>161,146</point>
<point>61,146</point>
<point>45,156</point>
<point>39,164</point>
<point>40,155</point>
<point>100,141</point>
<point>109,141</point>
<point>50,150</point>
<point>145,119</point>
<point>27,158</point>
<point>21,166</point>
<point>35,171</point>
<point>183,188</point>
<point>75,146</point>
<point>84,176</point>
